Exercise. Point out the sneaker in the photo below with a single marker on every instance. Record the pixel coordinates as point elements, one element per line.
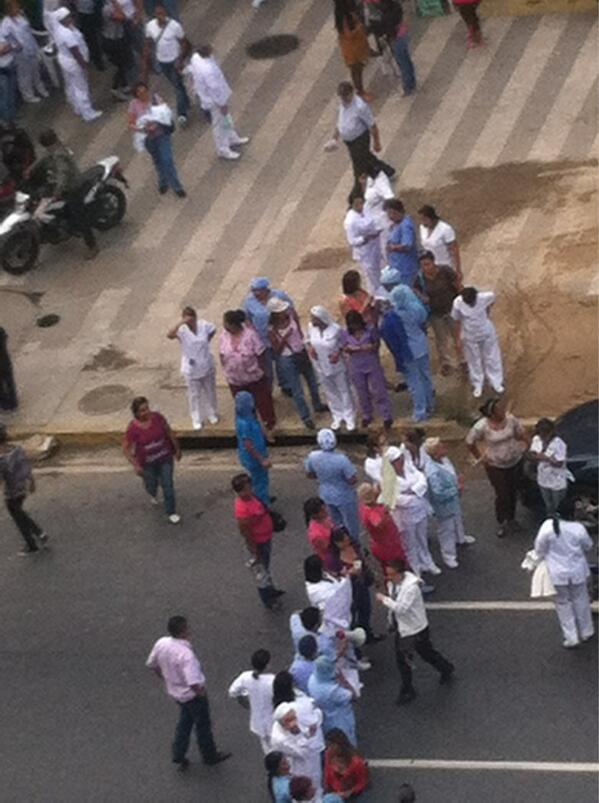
<point>154,501</point>
<point>174,518</point>
<point>43,92</point>
<point>32,99</point>
<point>309,424</point>
<point>26,551</point>
<point>451,564</point>
<point>182,765</point>
<point>218,758</point>
<point>350,426</point>
<point>228,155</point>
<point>500,389</point>
<point>43,538</point>
<point>502,531</point>
<point>197,427</point>
<point>406,696</point>
<point>588,637</point>
<point>363,664</point>
<point>426,588</point>
<point>163,190</point>
<point>213,419</point>
<point>447,675</point>
<point>93,116</point>
<point>433,569</point>
<point>182,120</point>
<point>181,193</point>
<point>278,592</point>
<point>477,393</point>
<point>257,3</point>
<point>570,644</point>
<point>241,141</point>
<point>468,539</point>
<point>335,424</point>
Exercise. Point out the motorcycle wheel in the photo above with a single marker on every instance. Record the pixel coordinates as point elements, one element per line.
<point>19,251</point>
<point>109,207</point>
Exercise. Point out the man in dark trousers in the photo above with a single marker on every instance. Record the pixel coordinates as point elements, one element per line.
<point>406,607</point>
<point>172,658</point>
<point>8,390</point>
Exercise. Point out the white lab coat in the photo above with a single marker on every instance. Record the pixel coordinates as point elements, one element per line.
<point>302,750</point>
<point>359,226</point>
<point>258,691</point>
<point>213,91</point>
<point>334,598</point>
<point>377,191</point>
<point>333,377</point>
<point>75,78</point>
<point>407,605</point>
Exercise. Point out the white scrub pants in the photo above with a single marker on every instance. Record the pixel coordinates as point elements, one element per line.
<point>337,391</point>
<point>201,394</point>
<point>415,541</point>
<point>573,608</point>
<point>77,89</point>
<point>484,359</point>
<point>450,533</point>
<point>370,260</point>
<point>223,132</point>
<point>29,79</point>
<point>265,744</point>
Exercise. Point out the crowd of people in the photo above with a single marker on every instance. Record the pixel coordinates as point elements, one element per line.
<point>376,541</point>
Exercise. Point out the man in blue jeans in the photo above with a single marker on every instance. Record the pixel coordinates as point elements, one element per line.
<point>172,658</point>
<point>167,44</point>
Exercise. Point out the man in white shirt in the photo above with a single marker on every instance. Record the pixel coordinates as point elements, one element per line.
<point>197,366</point>
<point>355,126</point>
<point>214,94</point>
<point>172,658</point>
<point>406,606</point>
<point>478,339</point>
<point>363,236</point>
<point>167,43</point>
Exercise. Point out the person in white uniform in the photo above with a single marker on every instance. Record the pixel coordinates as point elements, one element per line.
<point>214,94</point>
<point>16,27</point>
<point>440,238</point>
<point>562,543</point>
<point>404,493</point>
<point>478,339</point>
<point>363,235</point>
<point>376,189</point>
<point>253,689</point>
<point>73,57</point>
<point>444,490</point>
<point>197,365</point>
<point>550,453</point>
<point>297,733</point>
<point>323,341</point>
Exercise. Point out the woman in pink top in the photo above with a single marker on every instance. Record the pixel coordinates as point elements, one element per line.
<point>150,446</point>
<point>292,359</point>
<point>385,540</point>
<point>242,358</point>
<point>320,526</point>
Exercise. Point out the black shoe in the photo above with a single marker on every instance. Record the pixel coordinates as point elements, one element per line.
<point>181,193</point>
<point>321,408</point>
<point>502,531</point>
<point>43,538</point>
<point>406,697</point>
<point>366,422</point>
<point>400,387</point>
<point>273,499</point>
<point>163,190</point>
<point>309,424</point>
<point>388,424</point>
<point>278,592</point>
<point>218,758</point>
<point>182,765</point>
<point>447,674</point>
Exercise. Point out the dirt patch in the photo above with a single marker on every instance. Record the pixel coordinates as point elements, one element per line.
<point>106,399</point>
<point>325,259</point>
<point>109,358</point>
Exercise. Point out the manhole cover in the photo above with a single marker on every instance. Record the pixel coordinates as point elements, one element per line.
<point>271,47</point>
<point>48,320</point>
<point>106,399</point>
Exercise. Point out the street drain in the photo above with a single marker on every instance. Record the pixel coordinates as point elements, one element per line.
<point>48,320</point>
<point>271,47</point>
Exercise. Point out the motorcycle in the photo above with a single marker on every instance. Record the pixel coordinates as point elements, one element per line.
<point>35,221</point>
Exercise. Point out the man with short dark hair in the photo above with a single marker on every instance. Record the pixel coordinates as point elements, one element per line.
<point>166,41</point>
<point>172,658</point>
<point>355,126</point>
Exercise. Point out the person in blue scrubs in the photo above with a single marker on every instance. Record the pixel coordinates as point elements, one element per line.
<point>402,253</point>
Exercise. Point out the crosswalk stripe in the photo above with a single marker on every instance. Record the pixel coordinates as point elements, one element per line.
<point>516,94</point>
<point>573,767</point>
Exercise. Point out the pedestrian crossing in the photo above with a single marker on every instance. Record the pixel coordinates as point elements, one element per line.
<point>528,96</point>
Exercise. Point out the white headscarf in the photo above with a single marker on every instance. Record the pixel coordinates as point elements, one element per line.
<point>326,439</point>
<point>322,314</point>
<point>282,710</point>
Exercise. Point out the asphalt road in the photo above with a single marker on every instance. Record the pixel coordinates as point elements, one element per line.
<point>83,720</point>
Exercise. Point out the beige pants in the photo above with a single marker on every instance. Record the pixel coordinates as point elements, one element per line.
<point>443,327</point>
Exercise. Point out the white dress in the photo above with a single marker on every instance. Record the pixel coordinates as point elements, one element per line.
<point>258,691</point>
<point>333,376</point>
<point>479,339</point>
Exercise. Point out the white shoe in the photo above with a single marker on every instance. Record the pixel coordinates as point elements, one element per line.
<point>154,501</point>
<point>43,93</point>
<point>182,120</point>
<point>364,664</point>
<point>350,426</point>
<point>570,644</point>
<point>500,389</point>
<point>197,426</point>
<point>32,99</point>
<point>213,419</point>
<point>433,569</point>
<point>468,539</point>
<point>174,518</point>
<point>335,424</point>
<point>229,155</point>
<point>241,141</point>
<point>257,3</point>
<point>451,564</point>
<point>93,116</point>
<point>477,393</point>
<point>582,638</point>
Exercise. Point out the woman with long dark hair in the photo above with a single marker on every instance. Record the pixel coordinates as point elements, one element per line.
<point>353,41</point>
<point>279,774</point>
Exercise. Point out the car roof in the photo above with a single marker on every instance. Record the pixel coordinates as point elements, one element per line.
<point>578,428</point>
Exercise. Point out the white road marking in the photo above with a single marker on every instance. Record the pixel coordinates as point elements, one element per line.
<point>510,766</point>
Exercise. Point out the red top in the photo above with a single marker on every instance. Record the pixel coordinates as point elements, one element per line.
<point>152,443</point>
<point>354,779</point>
<point>385,539</point>
<point>255,513</point>
<point>319,536</point>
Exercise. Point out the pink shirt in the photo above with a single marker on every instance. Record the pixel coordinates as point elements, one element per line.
<point>294,343</point>
<point>240,356</point>
<point>179,666</point>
